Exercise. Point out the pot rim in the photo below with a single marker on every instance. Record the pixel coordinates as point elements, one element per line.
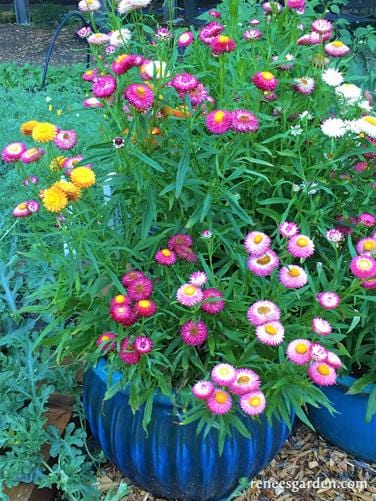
<point>346,381</point>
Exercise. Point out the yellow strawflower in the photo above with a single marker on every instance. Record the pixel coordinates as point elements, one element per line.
<point>44,132</point>
<point>27,127</point>
<point>83,177</point>
<point>54,199</point>
<point>72,191</point>
<point>56,163</point>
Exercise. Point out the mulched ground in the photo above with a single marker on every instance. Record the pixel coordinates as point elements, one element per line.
<point>305,457</point>
<point>28,44</point>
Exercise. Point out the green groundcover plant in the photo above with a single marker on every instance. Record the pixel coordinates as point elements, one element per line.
<point>218,245</point>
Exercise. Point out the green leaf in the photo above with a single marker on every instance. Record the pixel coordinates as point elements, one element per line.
<point>182,171</point>
<point>149,161</point>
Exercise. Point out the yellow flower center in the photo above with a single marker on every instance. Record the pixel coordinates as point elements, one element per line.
<point>219,116</point>
<point>266,75</point>
<point>263,310</point>
<point>22,206</point>
<point>254,401</point>
<point>144,303</point>
<point>243,380</point>
<point>189,290</point>
<point>270,329</point>
<point>264,260</point>
<point>323,370</point>
<point>337,43</point>
<point>369,245</point>
<point>220,397</point>
<point>224,371</point>
<point>140,90</point>
<point>302,242</point>
<point>166,252</point>
<point>14,148</point>
<point>223,39</point>
<point>105,338</point>
<point>294,272</point>
<point>301,348</point>
<point>364,264</point>
<point>258,239</point>
<point>119,299</point>
<point>370,120</point>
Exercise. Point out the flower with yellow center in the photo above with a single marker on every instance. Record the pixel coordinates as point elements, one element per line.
<point>189,290</point>
<point>166,252</point>
<point>301,348</point>
<point>54,199</point>
<point>144,303</point>
<point>44,132</point>
<point>267,75</point>
<point>56,163</point>
<point>270,329</point>
<point>27,127</point>
<point>83,177</point>
<point>254,401</point>
<point>294,272</point>
<point>223,39</point>
<point>220,397</point>
<point>323,370</point>
<point>367,125</point>
<point>302,242</point>
<point>72,191</point>
<point>219,116</point>
<point>337,43</point>
<point>119,299</point>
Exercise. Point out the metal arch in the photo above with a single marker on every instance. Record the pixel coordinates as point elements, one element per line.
<point>54,38</point>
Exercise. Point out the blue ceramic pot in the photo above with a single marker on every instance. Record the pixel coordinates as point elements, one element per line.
<point>172,461</point>
<point>347,429</point>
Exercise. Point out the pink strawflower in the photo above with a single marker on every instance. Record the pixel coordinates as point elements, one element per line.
<point>185,39</point>
<point>92,102</point>
<point>194,333</point>
<point>269,96</point>
<point>244,121</point>
<point>140,96</point>
<point>334,235</point>
<point>139,289</point>
<point>206,234</point>
<point>322,374</point>
<point>333,360</point>
<point>32,155</point>
<point>295,4</point>
<point>131,276</point>
<point>253,403</point>
<point>322,26</point>
<point>189,295</point>
<point>33,206</point>
<point>257,243</point>
<point>104,86</point>
<point>271,7</point>
<point>271,333</point>
<point>261,312</point>
<point>215,306</point>
<point>180,239</point>
<point>198,278</point>
<point>165,257</point>
<point>143,344</point>
<point>321,326</point>
<point>118,300</point>
<point>123,314</point>
<point>336,49</point>
<point>110,49</point>
<point>222,44</point>
<point>66,139</point>
<point>363,266</point>
<point>263,265</point>
<point>288,229</point>
<point>300,246</point>
<point>90,75</point>
<point>223,374</point>
<point>185,253</point>
<point>305,85</point>
<point>370,283</point>
<point>31,179</point>
<point>84,32</point>
<point>13,152</point>
<point>203,389</point>
<point>125,62</point>
<point>128,354</point>
<point>210,32</point>
<point>254,22</point>
<point>367,219</point>
<point>219,402</point>
<point>145,308</point>
<point>163,33</point>
<point>298,351</point>
<point>105,341</point>
<point>198,95</point>
<point>361,166</point>
<point>218,121</point>
<point>214,13</point>
<point>366,245</point>
<point>184,82</point>
<point>328,300</point>
<point>318,352</point>
<point>252,35</point>
<point>293,276</point>
<point>21,210</point>
<point>245,381</point>
<point>265,80</point>
<point>98,39</point>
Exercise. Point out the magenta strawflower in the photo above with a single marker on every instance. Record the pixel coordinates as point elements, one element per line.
<point>185,253</point>
<point>32,155</point>
<point>295,4</point>
<point>369,283</point>
<point>218,121</point>
<point>214,13</point>
<point>90,75</point>
<point>257,243</point>
<point>322,26</point>
<point>66,139</point>
<point>305,85</point>
<point>184,82</point>
<point>263,265</point>
<point>300,246</point>
<point>333,360</point>
<point>31,179</point>
<point>265,80</point>
<point>163,33</point>
<point>194,333</point>
<point>222,44</point>
<point>119,300</point>
<point>361,166</point>
<point>261,312</point>
<point>328,300</point>
<point>198,278</point>
<point>125,62</point>
<point>288,229</point>
<point>198,95</point>
<point>298,351</point>
<point>165,257</point>
<point>252,35</point>
<point>321,326</point>
<point>105,341</point>
<point>253,403</point>
<point>141,288</point>
<point>180,239</point>
<point>140,96</point>
<point>271,333</point>
<point>367,219</point>
<point>336,49</point>
<point>223,374</point>
<point>271,7</point>
<point>145,308</point>
<point>210,32</point>
<point>13,152</point>
<point>131,276</point>
<point>219,402</point>
<point>203,389</point>
<point>92,102</point>
<point>216,305</point>
<point>21,210</point>
<point>245,381</point>
<point>244,121</point>
<point>293,276</point>
<point>185,39</point>
<point>128,354</point>
<point>366,246</point>
<point>143,345</point>
<point>33,206</point>
<point>363,266</point>
<point>123,314</point>
<point>104,86</point>
<point>334,235</point>
<point>189,295</point>
<point>322,374</point>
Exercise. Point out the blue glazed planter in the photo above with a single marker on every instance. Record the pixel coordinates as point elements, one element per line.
<point>347,429</point>
<point>172,461</point>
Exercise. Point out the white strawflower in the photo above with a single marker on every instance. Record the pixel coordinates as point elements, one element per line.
<point>349,92</point>
<point>89,5</point>
<point>126,6</point>
<point>155,69</point>
<point>367,125</point>
<point>296,130</point>
<point>332,77</point>
<point>120,37</point>
<point>353,126</point>
<point>305,114</point>
<point>334,127</point>
<point>334,235</point>
<point>364,105</point>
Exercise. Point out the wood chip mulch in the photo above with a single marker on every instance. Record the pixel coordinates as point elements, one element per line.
<point>320,472</point>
